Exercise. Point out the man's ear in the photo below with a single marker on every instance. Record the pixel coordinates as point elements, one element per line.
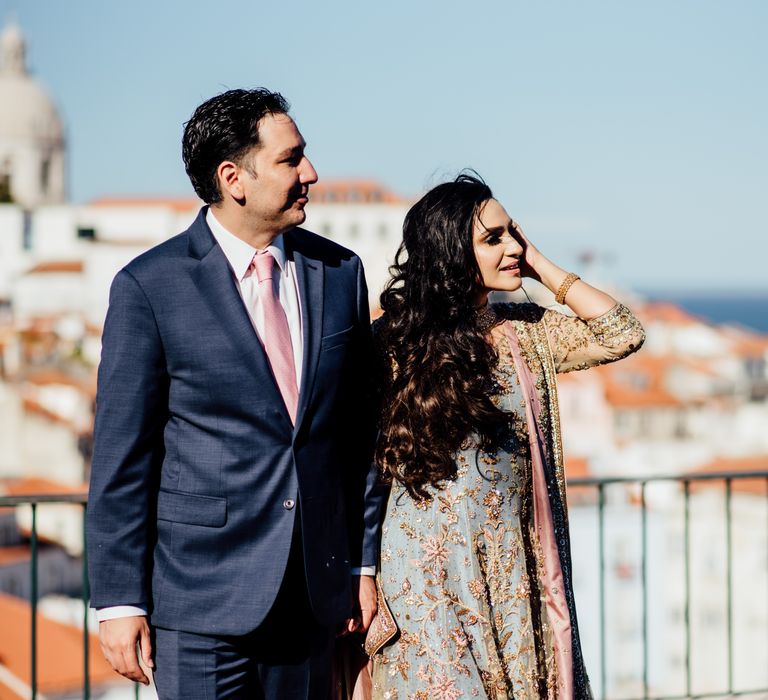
<point>230,180</point>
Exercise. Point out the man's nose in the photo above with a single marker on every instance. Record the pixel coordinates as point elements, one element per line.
<point>307,172</point>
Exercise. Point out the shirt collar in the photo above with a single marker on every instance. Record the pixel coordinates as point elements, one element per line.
<point>239,253</point>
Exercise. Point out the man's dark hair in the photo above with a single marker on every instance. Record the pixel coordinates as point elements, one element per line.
<point>225,128</point>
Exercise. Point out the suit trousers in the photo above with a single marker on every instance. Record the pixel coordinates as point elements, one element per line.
<point>288,657</point>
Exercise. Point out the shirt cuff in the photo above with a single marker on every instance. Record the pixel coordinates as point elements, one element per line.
<point>115,611</point>
<point>363,570</point>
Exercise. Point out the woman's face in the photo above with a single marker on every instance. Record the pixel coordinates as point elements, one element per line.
<point>497,251</point>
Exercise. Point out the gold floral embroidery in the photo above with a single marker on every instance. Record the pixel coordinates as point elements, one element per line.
<point>461,569</point>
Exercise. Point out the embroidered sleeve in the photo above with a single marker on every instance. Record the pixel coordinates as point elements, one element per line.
<point>578,344</point>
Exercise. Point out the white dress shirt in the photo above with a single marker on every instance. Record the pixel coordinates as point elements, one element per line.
<point>239,255</point>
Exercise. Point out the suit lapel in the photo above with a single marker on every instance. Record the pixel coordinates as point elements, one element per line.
<point>216,284</point>
<point>310,274</point>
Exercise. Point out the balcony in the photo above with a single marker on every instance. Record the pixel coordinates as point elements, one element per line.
<point>670,575</point>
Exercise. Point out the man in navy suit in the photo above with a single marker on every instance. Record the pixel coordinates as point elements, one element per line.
<point>232,503</point>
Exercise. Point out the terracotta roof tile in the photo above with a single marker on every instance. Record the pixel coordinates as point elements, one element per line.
<point>7,694</point>
<point>352,191</point>
<point>666,312</point>
<point>60,651</point>
<point>54,375</point>
<point>751,463</point>
<point>178,204</point>
<point>37,486</point>
<point>52,266</point>
<point>15,554</point>
<point>33,406</point>
<point>638,382</point>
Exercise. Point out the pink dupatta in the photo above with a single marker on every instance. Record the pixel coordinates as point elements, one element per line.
<point>553,584</point>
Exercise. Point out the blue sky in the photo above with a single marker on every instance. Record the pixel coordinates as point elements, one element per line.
<point>635,130</point>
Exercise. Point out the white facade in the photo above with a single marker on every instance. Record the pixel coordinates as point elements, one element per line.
<point>104,236</point>
<point>61,259</point>
<point>372,230</point>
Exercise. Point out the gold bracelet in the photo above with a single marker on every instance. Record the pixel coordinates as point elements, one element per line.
<point>570,278</point>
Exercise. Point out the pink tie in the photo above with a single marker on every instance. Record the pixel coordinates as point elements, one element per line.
<point>277,337</point>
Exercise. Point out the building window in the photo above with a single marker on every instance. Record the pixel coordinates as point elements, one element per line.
<point>45,175</point>
<point>354,230</point>
<point>326,230</point>
<point>5,189</point>
<point>383,231</point>
<point>26,231</point>
<point>86,233</point>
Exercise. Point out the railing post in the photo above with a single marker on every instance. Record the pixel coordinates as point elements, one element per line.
<point>687,609</point>
<point>33,601</point>
<point>729,579</point>
<point>601,536</point>
<point>644,574</point>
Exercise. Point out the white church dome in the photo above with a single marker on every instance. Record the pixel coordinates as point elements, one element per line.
<point>28,113</point>
<point>32,148</point>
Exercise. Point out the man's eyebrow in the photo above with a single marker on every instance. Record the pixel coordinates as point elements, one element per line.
<point>295,150</point>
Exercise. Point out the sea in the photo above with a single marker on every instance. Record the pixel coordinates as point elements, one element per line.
<point>748,310</point>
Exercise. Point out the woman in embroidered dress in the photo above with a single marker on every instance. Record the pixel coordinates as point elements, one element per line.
<point>475,556</point>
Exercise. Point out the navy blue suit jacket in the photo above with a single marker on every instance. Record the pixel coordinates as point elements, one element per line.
<point>195,454</point>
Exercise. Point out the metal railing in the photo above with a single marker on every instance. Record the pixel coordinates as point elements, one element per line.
<point>34,501</point>
<point>598,486</point>
<point>726,479</point>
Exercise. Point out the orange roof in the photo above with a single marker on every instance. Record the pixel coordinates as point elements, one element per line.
<point>638,382</point>
<point>621,397</point>
<point>178,204</point>
<point>576,467</point>
<point>37,486</point>
<point>7,694</point>
<point>54,375</point>
<point>12,555</point>
<point>33,406</point>
<point>747,343</point>
<point>60,651</point>
<point>51,266</point>
<point>666,312</point>
<point>352,191</point>
<point>752,463</point>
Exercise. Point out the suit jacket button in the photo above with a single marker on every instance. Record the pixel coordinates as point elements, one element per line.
<point>289,503</point>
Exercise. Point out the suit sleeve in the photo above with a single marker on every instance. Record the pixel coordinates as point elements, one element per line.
<point>131,412</point>
<point>363,497</point>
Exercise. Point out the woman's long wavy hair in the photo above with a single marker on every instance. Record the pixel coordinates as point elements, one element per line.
<point>438,359</point>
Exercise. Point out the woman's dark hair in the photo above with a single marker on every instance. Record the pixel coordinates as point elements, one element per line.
<point>436,358</point>
<point>223,128</point>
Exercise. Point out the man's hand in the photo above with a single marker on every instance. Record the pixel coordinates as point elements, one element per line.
<point>364,592</point>
<point>119,638</point>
